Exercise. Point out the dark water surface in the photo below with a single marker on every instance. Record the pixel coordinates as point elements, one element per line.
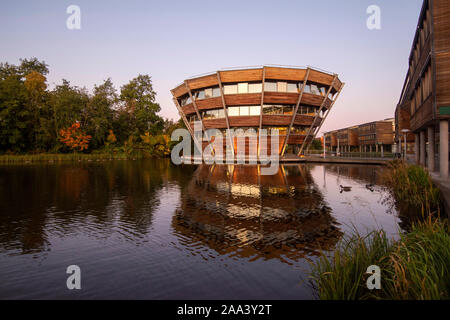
<point>150,230</point>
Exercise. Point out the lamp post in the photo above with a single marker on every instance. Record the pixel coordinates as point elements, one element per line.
<point>405,133</point>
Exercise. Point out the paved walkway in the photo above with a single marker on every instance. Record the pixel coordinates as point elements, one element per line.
<point>356,160</point>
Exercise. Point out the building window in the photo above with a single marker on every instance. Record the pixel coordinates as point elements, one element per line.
<point>230,89</point>
<point>255,110</point>
<point>233,111</point>
<point>243,111</point>
<point>255,87</point>
<point>270,86</point>
<point>199,95</point>
<point>216,92</point>
<point>315,89</point>
<point>307,88</point>
<point>281,86</point>
<point>243,87</point>
<point>208,93</point>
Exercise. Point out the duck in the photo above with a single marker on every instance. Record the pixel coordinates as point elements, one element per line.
<point>345,188</point>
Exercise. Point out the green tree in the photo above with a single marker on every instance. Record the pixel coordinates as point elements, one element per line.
<point>98,115</point>
<point>66,106</point>
<point>139,102</point>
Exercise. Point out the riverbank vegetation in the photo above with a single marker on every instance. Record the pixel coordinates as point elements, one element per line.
<point>39,123</point>
<point>415,266</point>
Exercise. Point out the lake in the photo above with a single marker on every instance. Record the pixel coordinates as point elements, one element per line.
<point>147,229</point>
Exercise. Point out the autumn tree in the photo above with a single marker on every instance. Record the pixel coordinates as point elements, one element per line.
<point>74,137</point>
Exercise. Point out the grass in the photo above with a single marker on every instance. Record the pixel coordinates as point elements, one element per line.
<point>49,157</point>
<point>414,267</point>
<point>411,186</point>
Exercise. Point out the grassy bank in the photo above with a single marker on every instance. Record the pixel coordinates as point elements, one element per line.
<point>416,266</point>
<point>48,157</point>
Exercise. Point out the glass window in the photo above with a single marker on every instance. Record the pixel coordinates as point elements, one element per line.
<point>288,110</point>
<point>267,109</point>
<point>233,111</point>
<point>200,95</point>
<point>315,89</point>
<point>323,91</point>
<point>292,87</point>
<point>230,89</point>
<point>270,86</point>
<point>281,86</point>
<point>307,88</point>
<point>243,111</point>
<point>255,87</point>
<point>255,110</point>
<point>277,109</point>
<point>188,100</point>
<point>243,87</point>
<point>216,92</point>
<point>221,113</point>
<point>208,93</point>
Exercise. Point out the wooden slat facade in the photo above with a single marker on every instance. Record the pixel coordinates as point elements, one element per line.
<point>255,75</point>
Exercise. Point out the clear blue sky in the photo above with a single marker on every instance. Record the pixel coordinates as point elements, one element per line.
<point>173,40</point>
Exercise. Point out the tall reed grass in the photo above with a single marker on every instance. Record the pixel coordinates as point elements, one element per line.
<point>411,186</point>
<point>414,267</point>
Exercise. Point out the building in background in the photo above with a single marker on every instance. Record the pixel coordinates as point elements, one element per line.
<point>424,106</point>
<point>376,136</point>
<point>294,101</point>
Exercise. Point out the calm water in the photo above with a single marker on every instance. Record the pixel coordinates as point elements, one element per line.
<point>151,230</point>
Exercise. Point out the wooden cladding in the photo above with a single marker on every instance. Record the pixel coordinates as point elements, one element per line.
<point>320,77</point>
<point>244,121</point>
<point>242,99</point>
<point>256,75</point>
<point>188,109</point>
<point>203,82</point>
<point>241,75</point>
<point>215,123</point>
<point>285,74</point>
<point>247,88</point>
<point>423,115</point>
<point>427,84</point>
<point>304,120</point>
<point>280,98</point>
<point>180,90</point>
<point>211,103</point>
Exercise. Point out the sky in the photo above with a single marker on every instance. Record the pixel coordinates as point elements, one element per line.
<point>174,40</point>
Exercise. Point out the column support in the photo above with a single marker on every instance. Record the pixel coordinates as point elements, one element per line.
<point>443,148</point>
<point>431,149</point>
<point>317,116</point>
<point>186,122</point>
<point>300,96</point>
<point>422,148</point>
<point>416,148</point>
<point>261,112</point>
<point>230,134</point>
<point>328,112</point>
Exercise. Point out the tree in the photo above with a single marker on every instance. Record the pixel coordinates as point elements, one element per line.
<point>35,83</point>
<point>74,137</point>
<point>98,115</point>
<point>139,102</point>
<point>66,106</point>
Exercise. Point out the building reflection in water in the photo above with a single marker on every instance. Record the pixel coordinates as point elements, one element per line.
<point>236,211</point>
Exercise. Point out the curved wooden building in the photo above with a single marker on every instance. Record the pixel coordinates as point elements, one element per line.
<point>295,101</point>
